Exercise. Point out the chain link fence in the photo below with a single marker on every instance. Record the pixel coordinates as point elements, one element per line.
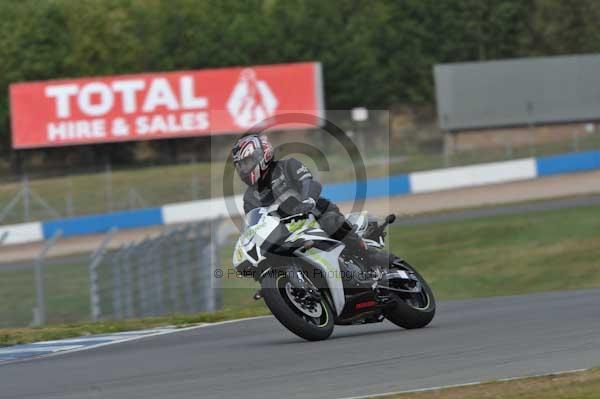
<point>48,195</point>
<point>172,273</point>
<point>169,273</point>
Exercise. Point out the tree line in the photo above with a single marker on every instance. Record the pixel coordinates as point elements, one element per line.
<point>374,53</point>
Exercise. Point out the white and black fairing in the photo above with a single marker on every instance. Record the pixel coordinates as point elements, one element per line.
<point>297,245</point>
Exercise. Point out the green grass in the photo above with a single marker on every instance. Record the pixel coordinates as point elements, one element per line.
<point>502,255</point>
<point>579,385</point>
<point>12,336</point>
<point>506,255</point>
<point>66,288</point>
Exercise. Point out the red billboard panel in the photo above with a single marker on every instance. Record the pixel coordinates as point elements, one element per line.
<point>160,105</point>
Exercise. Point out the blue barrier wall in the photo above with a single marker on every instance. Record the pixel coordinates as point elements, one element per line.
<point>373,188</point>
<point>568,163</point>
<point>101,223</point>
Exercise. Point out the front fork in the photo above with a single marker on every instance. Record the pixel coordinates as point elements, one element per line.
<point>300,283</point>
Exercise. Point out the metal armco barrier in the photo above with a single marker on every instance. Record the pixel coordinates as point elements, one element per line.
<point>171,273</point>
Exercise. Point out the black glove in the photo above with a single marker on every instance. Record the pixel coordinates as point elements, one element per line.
<point>306,206</point>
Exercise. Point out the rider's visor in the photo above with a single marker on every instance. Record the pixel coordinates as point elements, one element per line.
<point>248,163</point>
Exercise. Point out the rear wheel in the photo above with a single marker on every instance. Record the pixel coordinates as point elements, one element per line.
<point>305,317</point>
<point>412,310</point>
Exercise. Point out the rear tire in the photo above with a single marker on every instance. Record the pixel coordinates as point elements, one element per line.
<point>410,315</point>
<point>278,303</point>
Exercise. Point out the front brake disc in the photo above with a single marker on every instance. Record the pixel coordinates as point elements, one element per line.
<point>316,309</point>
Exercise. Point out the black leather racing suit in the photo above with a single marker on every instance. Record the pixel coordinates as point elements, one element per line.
<point>289,177</point>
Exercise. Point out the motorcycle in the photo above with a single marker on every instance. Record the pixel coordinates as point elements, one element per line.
<point>310,284</point>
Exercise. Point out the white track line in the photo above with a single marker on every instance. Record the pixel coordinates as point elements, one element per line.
<point>466,384</point>
<point>124,338</point>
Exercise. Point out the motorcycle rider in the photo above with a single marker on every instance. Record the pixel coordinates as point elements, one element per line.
<point>273,181</point>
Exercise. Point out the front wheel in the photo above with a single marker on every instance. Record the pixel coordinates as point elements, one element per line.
<point>413,310</point>
<point>308,319</point>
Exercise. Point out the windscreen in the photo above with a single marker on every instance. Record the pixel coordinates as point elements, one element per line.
<point>254,216</point>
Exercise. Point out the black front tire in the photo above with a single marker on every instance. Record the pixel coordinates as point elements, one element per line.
<point>276,300</point>
<point>410,316</point>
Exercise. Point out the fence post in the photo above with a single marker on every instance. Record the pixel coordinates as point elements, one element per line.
<point>220,230</point>
<point>128,282</point>
<point>26,200</point>
<point>158,275</point>
<point>575,141</point>
<point>532,140</point>
<point>96,258</point>
<point>140,252</point>
<point>3,237</point>
<point>131,199</point>
<point>109,190</point>
<point>508,150</point>
<point>448,147</point>
<point>116,275</point>
<point>215,283</point>
<point>216,233</point>
<point>152,274</point>
<point>194,188</point>
<point>39,314</point>
<point>203,266</point>
<point>172,274</point>
<point>145,277</point>
<point>69,197</point>
<point>187,269</point>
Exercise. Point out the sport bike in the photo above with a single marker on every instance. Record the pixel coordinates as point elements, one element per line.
<point>310,284</point>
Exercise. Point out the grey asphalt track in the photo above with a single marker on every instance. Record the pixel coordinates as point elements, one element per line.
<point>468,341</point>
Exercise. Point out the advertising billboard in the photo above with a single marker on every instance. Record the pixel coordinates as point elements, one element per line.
<point>160,105</point>
<point>518,92</point>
